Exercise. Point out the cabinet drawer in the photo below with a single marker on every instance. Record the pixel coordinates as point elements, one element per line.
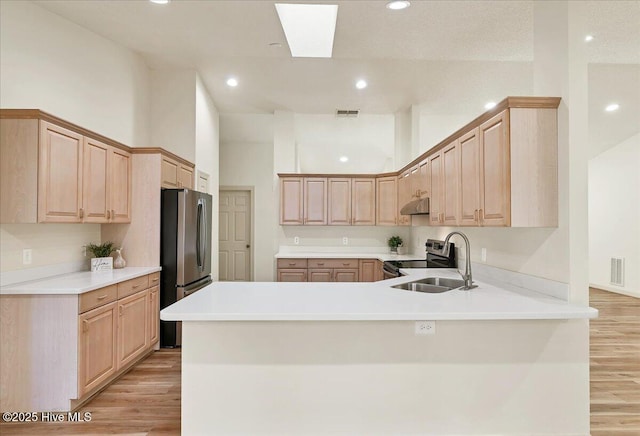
<point>292,263</point>
<point>132,286</point>
<point>333,263</point>
<point>91,300</point>
<point>154,279</point>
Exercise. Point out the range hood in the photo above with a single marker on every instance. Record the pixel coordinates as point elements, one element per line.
<point>416,207</point>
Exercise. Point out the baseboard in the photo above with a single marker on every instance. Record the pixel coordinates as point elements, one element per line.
<point>635,294</point>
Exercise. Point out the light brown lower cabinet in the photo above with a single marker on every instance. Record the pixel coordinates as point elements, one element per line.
<point>117,332</point>
<point>329,270</point>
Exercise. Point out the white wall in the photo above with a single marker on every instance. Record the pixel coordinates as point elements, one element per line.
<point>52,64</point>
<point>173,111</point>
<point>246,159</point>
<point>207,154</point>
<point>614,215</point>
<point>368,141</point>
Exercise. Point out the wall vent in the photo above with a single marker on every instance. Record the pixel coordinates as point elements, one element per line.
<point>347,113</point>
<point>617,271</point>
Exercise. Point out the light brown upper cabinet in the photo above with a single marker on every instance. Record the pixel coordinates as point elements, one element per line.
<point>106,191</point>
<point>404,196</point>
<point>450,184</point>
<point>315,201</point>
<point>495,171</point>
<point>339,204</point>
<point>423,179</point>
<point>469,179</point>
<point>59,175</point>
<point>291,203</point>
<point>78,179</point>
<point>435,174</point>
<point>175,174</point>
<point>386,201</point>
<point>363,202</point>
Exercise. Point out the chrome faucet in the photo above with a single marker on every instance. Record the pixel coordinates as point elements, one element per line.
<point>468,283</point>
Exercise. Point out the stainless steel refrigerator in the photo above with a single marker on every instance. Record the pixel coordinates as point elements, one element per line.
<point>185,252</point>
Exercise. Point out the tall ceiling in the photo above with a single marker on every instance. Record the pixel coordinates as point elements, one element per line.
<point>414,56</point>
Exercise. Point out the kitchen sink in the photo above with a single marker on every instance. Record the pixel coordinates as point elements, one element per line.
<point>432,285</point>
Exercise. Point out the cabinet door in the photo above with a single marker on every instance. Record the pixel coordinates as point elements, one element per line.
<point>292,275</point>
<point>386,201</point>
<point>404,197</point>
<point>345,275</point>
<point>367,271</point>
<point>291,193</point>
<point>495,186</point>
<point>185,177</point>
<point>97,347</point>
<point>414,180</point>
<point>450,184</point>
<point>320,274</point>
<point>339,203</point>
<point>96,181</point>
<point>120,186</point>
<point>59,175</point>
<point>133,338</point>
<point>469,179</point>
<point>423,179</point>
<point>435,178</point>
<point>169,173</point>
<point>154,314</point>
<point>315,201</point>
<point>363,202</point>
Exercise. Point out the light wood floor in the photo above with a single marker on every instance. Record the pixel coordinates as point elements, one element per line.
<point>146,401</point>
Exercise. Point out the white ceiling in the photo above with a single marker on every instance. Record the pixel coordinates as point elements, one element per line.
<point>414,56</point>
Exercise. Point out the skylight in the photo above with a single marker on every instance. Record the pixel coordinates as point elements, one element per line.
<point>309,29</point>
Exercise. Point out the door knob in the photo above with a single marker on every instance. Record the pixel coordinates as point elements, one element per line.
<point>248,246</point>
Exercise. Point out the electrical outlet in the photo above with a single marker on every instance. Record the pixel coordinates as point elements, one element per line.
<point>483,254</point>
<point>26,256</point>
<point>296,240</point>
<point>345,241</point>
<point>425,328</point>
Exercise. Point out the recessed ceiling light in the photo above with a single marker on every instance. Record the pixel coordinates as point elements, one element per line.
<point>588,38</point>
<point>612,107</point>
<point>309,29</point>
<point>232,82</point>
<point>160,2</point>
<point>490,105</point>
<point>361,84</point>
<point>344,159</point>
<point>398,4</point>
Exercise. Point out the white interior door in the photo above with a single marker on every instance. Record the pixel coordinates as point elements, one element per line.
<point>235,236</point>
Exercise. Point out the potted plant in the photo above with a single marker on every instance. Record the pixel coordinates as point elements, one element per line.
<point>101,260</point>
<point>394,242</point>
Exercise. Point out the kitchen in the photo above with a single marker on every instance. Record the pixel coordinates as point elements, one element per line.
<point>272,140</point>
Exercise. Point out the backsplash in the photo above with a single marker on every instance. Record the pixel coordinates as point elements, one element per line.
<point>358,237</point>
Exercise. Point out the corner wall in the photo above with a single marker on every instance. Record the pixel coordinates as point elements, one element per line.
<point>614,215</point>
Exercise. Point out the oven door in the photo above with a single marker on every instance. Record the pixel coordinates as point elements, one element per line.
<point>389,271</point>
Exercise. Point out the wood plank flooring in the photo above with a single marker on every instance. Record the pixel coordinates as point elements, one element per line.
<point>146,400</point>
<point>615,364</point>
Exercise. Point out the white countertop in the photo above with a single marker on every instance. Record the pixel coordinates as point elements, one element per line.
<point>76,283</point>
<point>341,255</point>
<point>280,301</point>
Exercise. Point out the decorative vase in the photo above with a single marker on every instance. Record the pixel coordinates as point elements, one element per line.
<point>101,264</point>
<point>394,250</point>
<point>119,262</point>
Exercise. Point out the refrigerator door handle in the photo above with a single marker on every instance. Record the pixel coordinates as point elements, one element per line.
<point>199,235</point>
<point>203,243</point>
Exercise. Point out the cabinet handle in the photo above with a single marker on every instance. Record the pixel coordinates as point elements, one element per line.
<point>345,264</point>
<point>120,310</point>
<point>81,213</point>
<point>481,215</point>
<point>102,297</point>
<point>135,286</point>
<point>85,326</point>
<point>475,215</point>
<point>113,214</point>
<point>321,264</point>
<point>154,280</point>
<point>106,214</point>
<point>292,264</point>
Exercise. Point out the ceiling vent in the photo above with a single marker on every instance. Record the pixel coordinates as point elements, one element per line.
<point>347,113</point>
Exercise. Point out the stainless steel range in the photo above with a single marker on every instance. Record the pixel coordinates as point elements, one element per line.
<point>435,259</point>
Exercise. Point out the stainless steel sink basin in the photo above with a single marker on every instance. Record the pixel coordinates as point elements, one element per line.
<point>432,285</point>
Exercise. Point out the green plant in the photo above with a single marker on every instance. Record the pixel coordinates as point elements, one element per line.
<point>102,250</point>
<point>394,241</point>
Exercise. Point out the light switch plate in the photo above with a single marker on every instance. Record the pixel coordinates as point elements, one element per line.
<point>26,256</point>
